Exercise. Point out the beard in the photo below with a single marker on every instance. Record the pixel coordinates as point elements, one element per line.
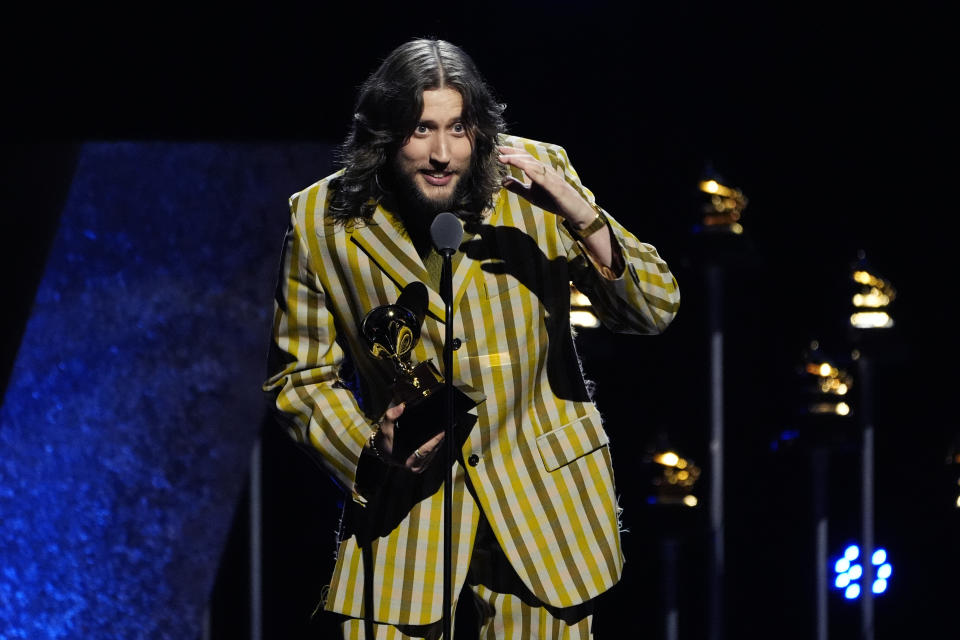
<point>418,209</point>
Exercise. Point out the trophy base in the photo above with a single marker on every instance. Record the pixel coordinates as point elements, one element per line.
<point>425,417</point>
<point>419,385</point>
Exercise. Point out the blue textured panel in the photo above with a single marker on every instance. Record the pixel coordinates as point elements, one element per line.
<point>134,402</point>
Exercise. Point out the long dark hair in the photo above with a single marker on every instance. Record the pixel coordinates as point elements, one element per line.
<point>388,108</point>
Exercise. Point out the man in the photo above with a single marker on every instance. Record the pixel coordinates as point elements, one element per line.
<point>535,523</point>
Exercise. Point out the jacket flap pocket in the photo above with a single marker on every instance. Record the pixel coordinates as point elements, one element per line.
<point>565,444</point>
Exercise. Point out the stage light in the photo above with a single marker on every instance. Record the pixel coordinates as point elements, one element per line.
<point>710,186</point>
<point>581,310</point>
<point>871,320</point>
<point>871,299</point>
<point>668,459</point>
<point>848,573</point>
<point>839,408</point>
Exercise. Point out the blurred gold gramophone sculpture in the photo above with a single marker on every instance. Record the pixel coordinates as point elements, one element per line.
<point>828,385</point>
<point>872,298</point>
<point>723,211</point>
<point>674,484</point>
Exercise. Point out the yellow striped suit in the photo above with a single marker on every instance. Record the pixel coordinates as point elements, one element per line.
<point>540,465</point>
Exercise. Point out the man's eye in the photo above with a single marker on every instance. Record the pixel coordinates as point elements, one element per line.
<point>459,128</point>
<point>421,129</point>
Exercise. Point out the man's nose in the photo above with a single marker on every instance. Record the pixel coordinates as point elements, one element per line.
<point>440,151</point>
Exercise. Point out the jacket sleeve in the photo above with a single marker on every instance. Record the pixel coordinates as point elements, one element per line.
<point>316,405</point>
<point>644,297</point>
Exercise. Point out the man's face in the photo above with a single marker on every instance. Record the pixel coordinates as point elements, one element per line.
<point>436,158</point>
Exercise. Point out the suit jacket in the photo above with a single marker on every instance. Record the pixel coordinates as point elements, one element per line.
<point>537,459</point>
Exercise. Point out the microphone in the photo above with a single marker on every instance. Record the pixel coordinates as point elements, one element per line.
<point>413,298</point>
<point>446,231</point>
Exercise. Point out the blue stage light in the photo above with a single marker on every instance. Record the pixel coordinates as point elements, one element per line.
<point>848,574</point>
<point>884,571</point>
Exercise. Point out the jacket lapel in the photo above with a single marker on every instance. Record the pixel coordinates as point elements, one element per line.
<point>386,244</point>
<point>389,247</point>
<point>465,269</point>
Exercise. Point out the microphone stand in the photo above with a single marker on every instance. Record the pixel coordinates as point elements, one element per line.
<point>446,293</point>
<point>446,232</point>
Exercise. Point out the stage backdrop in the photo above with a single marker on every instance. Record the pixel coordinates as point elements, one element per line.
<point>135,400</point>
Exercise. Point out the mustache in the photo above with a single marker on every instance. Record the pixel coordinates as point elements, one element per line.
<point>447,169</point>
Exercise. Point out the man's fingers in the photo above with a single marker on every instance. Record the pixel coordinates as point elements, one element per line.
<point>517,186</point>
<point>534,192</point>
<point>423,454</point>
<point>523,161</point>
<point>531,167</point>
<point>394,412</point>
<point>430,447</point>
<point>516,157</point>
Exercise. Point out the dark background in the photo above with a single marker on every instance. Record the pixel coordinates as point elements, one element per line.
<point>836,124</point>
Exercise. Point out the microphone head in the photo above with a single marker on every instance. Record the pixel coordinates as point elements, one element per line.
<point>414,298</point>
<point>446,231</point>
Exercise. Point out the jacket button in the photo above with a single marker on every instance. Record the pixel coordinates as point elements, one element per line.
<point>456,344</point>
<point>473,460</point>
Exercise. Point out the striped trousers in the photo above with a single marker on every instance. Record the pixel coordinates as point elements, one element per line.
<point>505,608</point>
